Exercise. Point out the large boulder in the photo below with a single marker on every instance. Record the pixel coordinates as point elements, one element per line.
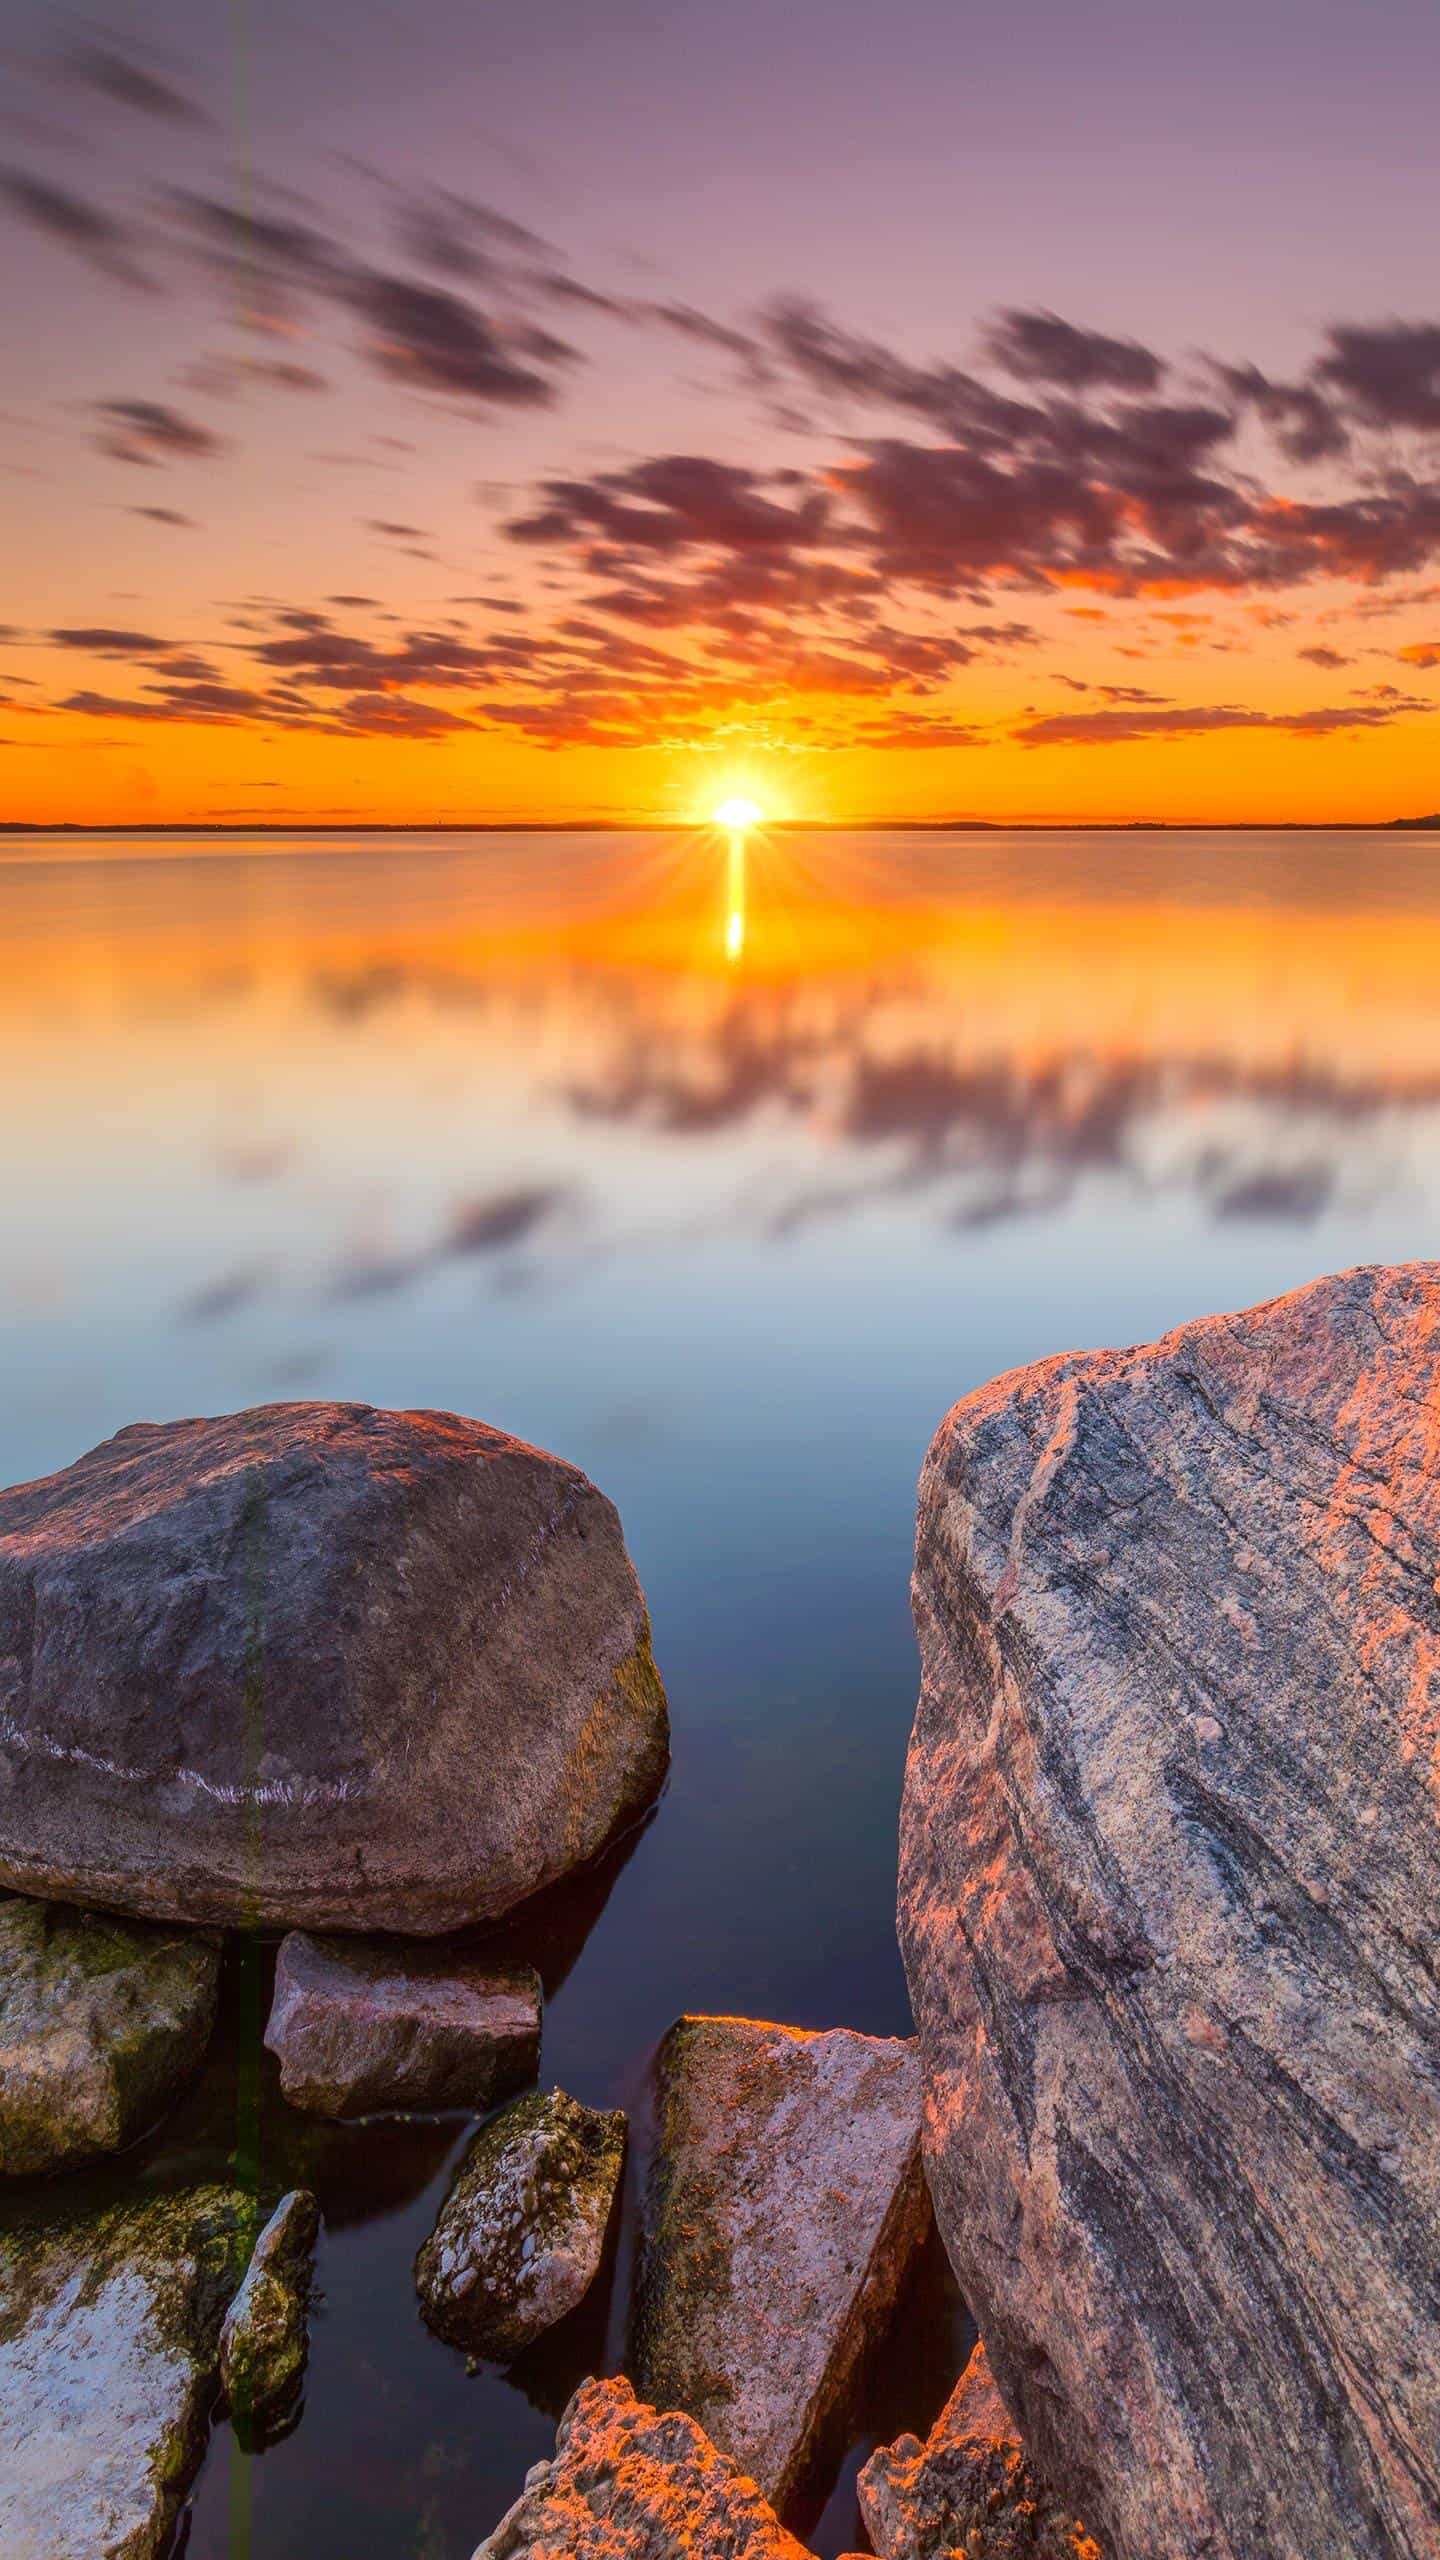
<point>101,2023</point>
<point>522,2232</point>
<point>968,2489</point>
<point>1169,1875</point>
<point>318,1665</point>
<point>358,2026</point>
<point>109,2341</point>
<point>628,2483</point>
<point>784,2207</point>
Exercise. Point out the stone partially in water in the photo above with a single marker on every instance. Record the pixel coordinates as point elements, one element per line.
<point>109,2341</point>
<point>101,2023</point>
<point>1170,1869</point>
<point>522,2232</point>
<point>318,1665</point>
<point>968,2489</point>
<point>264,2339</point>
<point>629,2484</point>
<point>784,2208</point>
<point>359,2026</point>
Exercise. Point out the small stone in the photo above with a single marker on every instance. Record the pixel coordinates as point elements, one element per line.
<point>264,2340</point>
<point>629,2484</point>
<point>968,2490</point>
<point>109,2342</point>
<point>785,2206</point>
<point>101,2023</point>
<point>522,2232</point>
<point>359,2026</point>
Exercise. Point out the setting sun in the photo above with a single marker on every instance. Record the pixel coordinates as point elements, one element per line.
<point>738,814</point>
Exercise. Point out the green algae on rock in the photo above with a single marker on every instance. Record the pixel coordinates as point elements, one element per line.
<point>784,2208</point>
<point>109,2344</point>
<point>264,2340</point>
<point>101,2022</point>
<point>522,2232</point>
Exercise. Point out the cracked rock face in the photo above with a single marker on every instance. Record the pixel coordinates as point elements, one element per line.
<point>318,1665</point>
<point>522,2232</point>
<point>358,2026</point>
<point>109,2331</point>
<point>1170,1865</point>
<point>968,2492</point>
<point>264,2340</point>
<point>101,2023</point>
<point>627,2483</point>
<point>784,2208</point>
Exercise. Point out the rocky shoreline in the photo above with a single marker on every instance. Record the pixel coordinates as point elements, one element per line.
<point>1168,1858</point>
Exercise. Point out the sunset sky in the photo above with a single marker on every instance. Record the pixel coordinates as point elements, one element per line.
<point>587,410</point>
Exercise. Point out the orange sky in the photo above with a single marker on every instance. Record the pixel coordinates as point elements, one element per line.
<point>399,477</point>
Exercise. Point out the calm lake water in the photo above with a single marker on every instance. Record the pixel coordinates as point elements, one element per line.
<point>505,1124</point>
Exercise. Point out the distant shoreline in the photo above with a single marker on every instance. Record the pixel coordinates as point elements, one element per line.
<point>704,826</point>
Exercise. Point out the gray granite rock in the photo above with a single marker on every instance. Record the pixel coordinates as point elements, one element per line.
<point>318,1665</point>
<point>109,2337</point>
<point>968,2490</point>
<point>522,2232</point>
<point>784,2207</point>
<point>1169,1875</point>
<point>627,2483</point>
<point>264,2339</point>
<point>359,2026</point>
<point>101,2023</point>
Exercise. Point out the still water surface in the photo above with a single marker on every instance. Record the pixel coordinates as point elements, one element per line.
<point>507,1124</point>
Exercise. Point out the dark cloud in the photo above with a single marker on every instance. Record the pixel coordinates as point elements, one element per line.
<point>1304,423</point>
<point>111,72</point>
<point>455,237</point>
<point>677,502</point>
<point>150,431</point>
<point>1320,656</point>
<point>431,340</point>
<point>62,215</point>
<point>104,642</point>
<point>1038,346</point>
<point>501,1219</point>
<point>163,515</point>
<point>1389,375</point>
<point>1123,726</point>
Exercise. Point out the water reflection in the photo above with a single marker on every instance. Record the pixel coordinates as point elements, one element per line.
<point>503,1125</point>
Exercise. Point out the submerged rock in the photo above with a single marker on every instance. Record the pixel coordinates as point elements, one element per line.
<point>629,2484</point>
<point>318,1665</point>
<point>1170,1869</point>
<point>101,2022</point>
<point>968,2490</point>
<point>358,2026</point>
<point>784,2208</point>
<point>265,2338</point>
<point>109,2335</point>
<point>522,2232</point>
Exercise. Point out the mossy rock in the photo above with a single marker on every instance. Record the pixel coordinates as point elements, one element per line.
<point>101,2023</point>
<point>109,2342</point>
<point>522,2232</point>
<point>265,2338</point>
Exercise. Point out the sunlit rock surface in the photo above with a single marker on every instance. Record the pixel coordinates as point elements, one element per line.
<point>968,2490</point>
<point>784,2208</point>
<point>1169,1883</point>
<point>318,1665</point>
<point>264,2339</point>
<point>101,2022</point>
<point>109,2330</point>
<point>628,2483</point>
<point>521,2234</point>
<point>358,2026</point>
